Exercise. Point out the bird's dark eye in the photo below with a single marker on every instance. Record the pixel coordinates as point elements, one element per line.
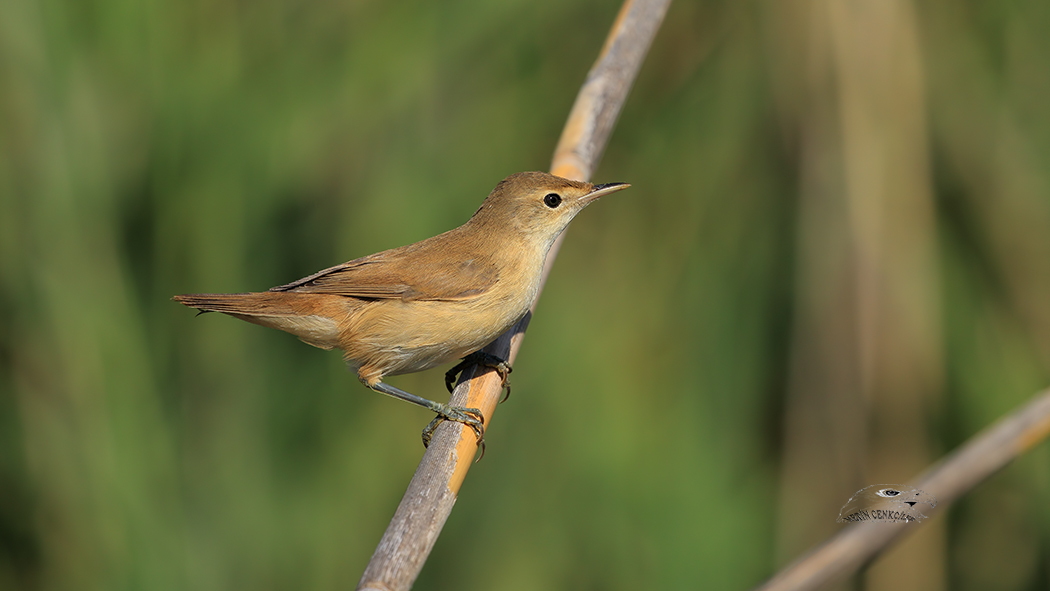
<point>552,200</point>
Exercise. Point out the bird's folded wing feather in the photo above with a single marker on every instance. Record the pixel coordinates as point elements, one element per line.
<point>401,274</point>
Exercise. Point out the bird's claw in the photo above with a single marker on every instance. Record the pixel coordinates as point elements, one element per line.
<point>485,360</point>
<point>470,417</point>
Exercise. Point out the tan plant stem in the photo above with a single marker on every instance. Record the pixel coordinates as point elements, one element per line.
<point>980,457</point>
<point>432,491</point>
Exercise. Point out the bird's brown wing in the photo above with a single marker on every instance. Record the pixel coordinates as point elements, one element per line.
<point>403,273</point>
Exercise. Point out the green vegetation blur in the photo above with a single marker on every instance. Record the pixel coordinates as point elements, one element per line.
<point>832,268</point>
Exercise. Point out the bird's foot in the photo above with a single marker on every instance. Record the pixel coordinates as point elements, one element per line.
<point>470,417</point>
<point>485,360</point>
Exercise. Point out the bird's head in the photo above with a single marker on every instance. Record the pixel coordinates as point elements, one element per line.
<point>537,205</point>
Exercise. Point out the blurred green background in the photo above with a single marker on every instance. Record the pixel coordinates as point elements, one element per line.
<point>832,268</point>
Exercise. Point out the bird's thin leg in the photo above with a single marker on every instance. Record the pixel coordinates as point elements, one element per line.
<point>485,360</point>
<point>470,417</point>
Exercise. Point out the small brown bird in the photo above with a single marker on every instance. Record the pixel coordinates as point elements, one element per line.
<point>426,304</point>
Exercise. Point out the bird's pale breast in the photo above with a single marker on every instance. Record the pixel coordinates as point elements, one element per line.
<point>430,333</point>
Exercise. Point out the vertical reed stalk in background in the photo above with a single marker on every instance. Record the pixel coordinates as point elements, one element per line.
<point>867,364</point>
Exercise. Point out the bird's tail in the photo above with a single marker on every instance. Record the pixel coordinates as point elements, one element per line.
<point>246,304</point>
<point>307,316</point>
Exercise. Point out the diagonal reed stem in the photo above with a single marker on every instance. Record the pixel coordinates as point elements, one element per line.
<point>980,457</point>
<point>427,502</point>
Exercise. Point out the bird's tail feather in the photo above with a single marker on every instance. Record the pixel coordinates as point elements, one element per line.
<point>309,317</point>
<point>245,304</point>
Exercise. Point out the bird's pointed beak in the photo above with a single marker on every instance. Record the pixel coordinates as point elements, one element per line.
<point>603,190</point>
